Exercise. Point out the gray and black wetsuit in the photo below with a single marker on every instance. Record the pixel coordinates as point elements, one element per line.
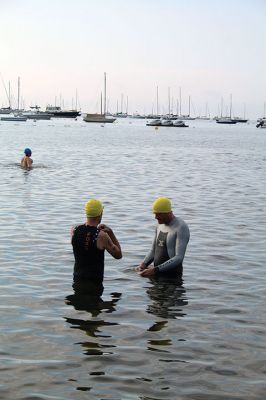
<point>169,248</point>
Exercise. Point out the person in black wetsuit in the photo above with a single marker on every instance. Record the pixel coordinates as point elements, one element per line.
<point>169,244</point>
<point>89,242</point>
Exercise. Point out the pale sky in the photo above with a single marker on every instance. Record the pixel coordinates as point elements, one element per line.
<point>210,49</point>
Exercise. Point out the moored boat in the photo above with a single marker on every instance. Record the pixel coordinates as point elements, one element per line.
<point>166,122</point>
<point>155,122</point>
<point>179,124</point>
<point>238,119</point>
<point>6,110</point>
<point>35,113</point>
<point>100,118</point>
<point>225,120</point>
<point>14,118</point>
<point>261,124</point>
<point>57,112</point>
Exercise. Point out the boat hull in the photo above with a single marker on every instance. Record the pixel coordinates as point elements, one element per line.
<point>17,119</point>
<point>98,118</point>
<point>65,114</point>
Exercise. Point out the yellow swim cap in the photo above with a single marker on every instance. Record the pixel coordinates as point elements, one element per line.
<point>161,205</point>
<point>93,208</point>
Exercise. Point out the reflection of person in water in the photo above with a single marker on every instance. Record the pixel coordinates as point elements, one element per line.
<point>87,297</point>
<point>168,297</point>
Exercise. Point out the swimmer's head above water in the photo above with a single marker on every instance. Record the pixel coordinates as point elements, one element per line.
<point>93,208</point>
<point>27,152</point>
<point>162,209</point>
<point>161,205</point>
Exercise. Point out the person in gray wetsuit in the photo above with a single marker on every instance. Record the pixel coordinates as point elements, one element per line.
<point>169,244</point>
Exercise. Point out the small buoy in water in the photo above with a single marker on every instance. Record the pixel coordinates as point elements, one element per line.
<point>34,120</point>
<point>156,127</point>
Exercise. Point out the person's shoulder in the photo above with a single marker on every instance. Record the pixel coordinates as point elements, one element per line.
<point>179,222</point>
<point>77,227</point>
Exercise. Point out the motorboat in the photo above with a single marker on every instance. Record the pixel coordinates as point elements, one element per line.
<point>261,124</point>
<point>120,115</point>
<point>57,112</point>
<point>6,110</point>
<point>138,116</point>
<point>238,119</point>
<point>179,124</point>
<point>35,113</point>
<point>166,122</point>
<point>155,122</point>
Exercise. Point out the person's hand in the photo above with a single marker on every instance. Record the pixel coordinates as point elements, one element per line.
<point>141,267</point>
<point>105,228</point>
<point>150,271</point>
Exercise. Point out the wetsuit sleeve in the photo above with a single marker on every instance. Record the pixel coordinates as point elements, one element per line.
<point>182,239</point>
<point>150,256</point>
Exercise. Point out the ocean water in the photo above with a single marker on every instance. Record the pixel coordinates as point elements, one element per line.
<point>203,338</point>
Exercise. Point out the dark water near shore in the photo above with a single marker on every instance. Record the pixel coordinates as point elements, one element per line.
<point>203,338</point>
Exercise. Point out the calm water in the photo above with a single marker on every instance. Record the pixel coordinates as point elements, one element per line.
<point>201,339</point>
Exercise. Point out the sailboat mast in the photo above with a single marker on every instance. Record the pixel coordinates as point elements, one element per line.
<point>18,91</point>
<point>157,103</point>
<point>104,104</point>
<point>230,113</point>
<point>122,101</point>
<point>168,101</point>
<point>189,106</point>
<point>180,111</point>
<point>9,95</point>
<point>101,103</point>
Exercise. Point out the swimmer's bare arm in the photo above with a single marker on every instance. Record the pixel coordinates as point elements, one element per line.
<point>111,234</point>
<point>111,244</point>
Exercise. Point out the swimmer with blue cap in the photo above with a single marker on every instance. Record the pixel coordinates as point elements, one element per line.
<point>27,161</point>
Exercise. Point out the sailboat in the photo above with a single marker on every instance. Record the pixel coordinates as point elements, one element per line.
<point>16,116</point>
<point>226,120</point>
<point>100,118</point>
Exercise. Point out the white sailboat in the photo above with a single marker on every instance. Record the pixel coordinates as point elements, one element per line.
<point>17,117</point>
<point>100,118</point>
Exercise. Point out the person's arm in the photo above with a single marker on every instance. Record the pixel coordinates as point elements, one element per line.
<point>111,234</point>
<point>112,246</point>
<point>181,242</point>
<point>149,257</point>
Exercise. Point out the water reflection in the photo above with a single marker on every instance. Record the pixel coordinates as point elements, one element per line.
<point>168,299</point>
<point>87,297</point>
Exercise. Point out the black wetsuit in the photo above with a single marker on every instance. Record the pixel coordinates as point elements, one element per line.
<point>89,260</point>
